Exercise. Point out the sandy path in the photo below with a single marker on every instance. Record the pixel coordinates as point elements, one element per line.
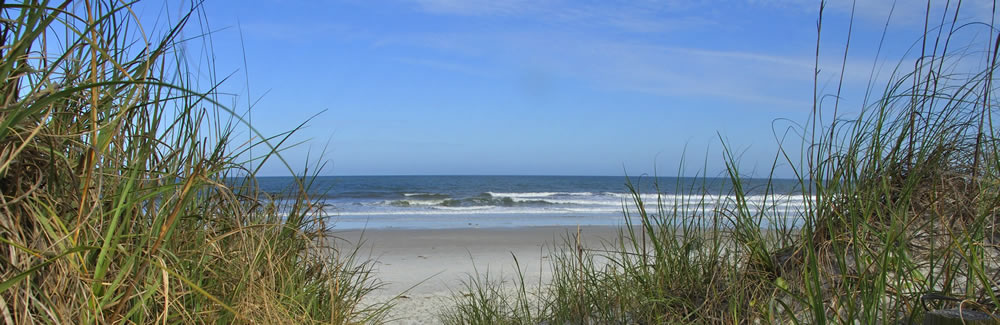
<point>432,263</point>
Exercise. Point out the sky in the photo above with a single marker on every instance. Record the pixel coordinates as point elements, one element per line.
<point>545,87</point>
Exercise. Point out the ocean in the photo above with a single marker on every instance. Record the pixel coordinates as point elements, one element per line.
<point>440,202</point>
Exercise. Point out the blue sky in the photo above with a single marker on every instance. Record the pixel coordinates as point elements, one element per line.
<point>544,87</point>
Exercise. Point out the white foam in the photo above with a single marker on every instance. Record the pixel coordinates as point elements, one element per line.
<point>468,208</point>
<point>525,194</point>
<point>397,203</point>
<point>485,210</point>
<point>593,210</point>
<point>607,205</point>
<point>576,202</point>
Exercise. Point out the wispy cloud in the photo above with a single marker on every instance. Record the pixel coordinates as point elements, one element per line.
<point>619,46</point>
<point>302,31</point>
<point>477,7</point>
<point>605,44</point>
<point>451,66</point>
<point>628,16</point>
<point>584,42</point>
<point>630,65</point>
<point>637,12</point>
<point>903,11</point>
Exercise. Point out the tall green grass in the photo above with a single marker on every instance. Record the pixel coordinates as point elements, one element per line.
<point>127,199</point>
<point>901,216</point>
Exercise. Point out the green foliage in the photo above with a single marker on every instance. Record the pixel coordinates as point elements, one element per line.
<point>124,198</point>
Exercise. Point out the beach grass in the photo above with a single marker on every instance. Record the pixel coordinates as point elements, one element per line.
<point>126,197</point>
<point>900,210</point>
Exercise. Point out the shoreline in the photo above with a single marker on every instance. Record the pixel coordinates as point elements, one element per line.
<point>425,266</point>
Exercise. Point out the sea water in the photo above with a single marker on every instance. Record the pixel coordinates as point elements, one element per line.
<point>438,202</point>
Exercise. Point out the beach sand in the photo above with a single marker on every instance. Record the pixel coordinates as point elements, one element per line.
<point>427,265</point>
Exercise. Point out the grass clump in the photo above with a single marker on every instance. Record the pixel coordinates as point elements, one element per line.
<point>485,300</point>
<point>124,196</point>
<point>900,216</point>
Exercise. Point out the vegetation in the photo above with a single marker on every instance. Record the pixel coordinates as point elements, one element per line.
<point>901,207</point>
<point>124,198</point>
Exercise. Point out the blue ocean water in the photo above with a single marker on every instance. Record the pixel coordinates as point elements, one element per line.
<point>433,202</point>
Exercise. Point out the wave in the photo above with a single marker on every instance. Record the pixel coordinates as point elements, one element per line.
<point>558,203</point>
<point>482,210</point>
<point>536,194</point>
<point>410,203</point>
<point>468,202</point>
<point>618,199</point>
<point>467,208</point>
<point>577,198</point>
<point>426,196</point>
